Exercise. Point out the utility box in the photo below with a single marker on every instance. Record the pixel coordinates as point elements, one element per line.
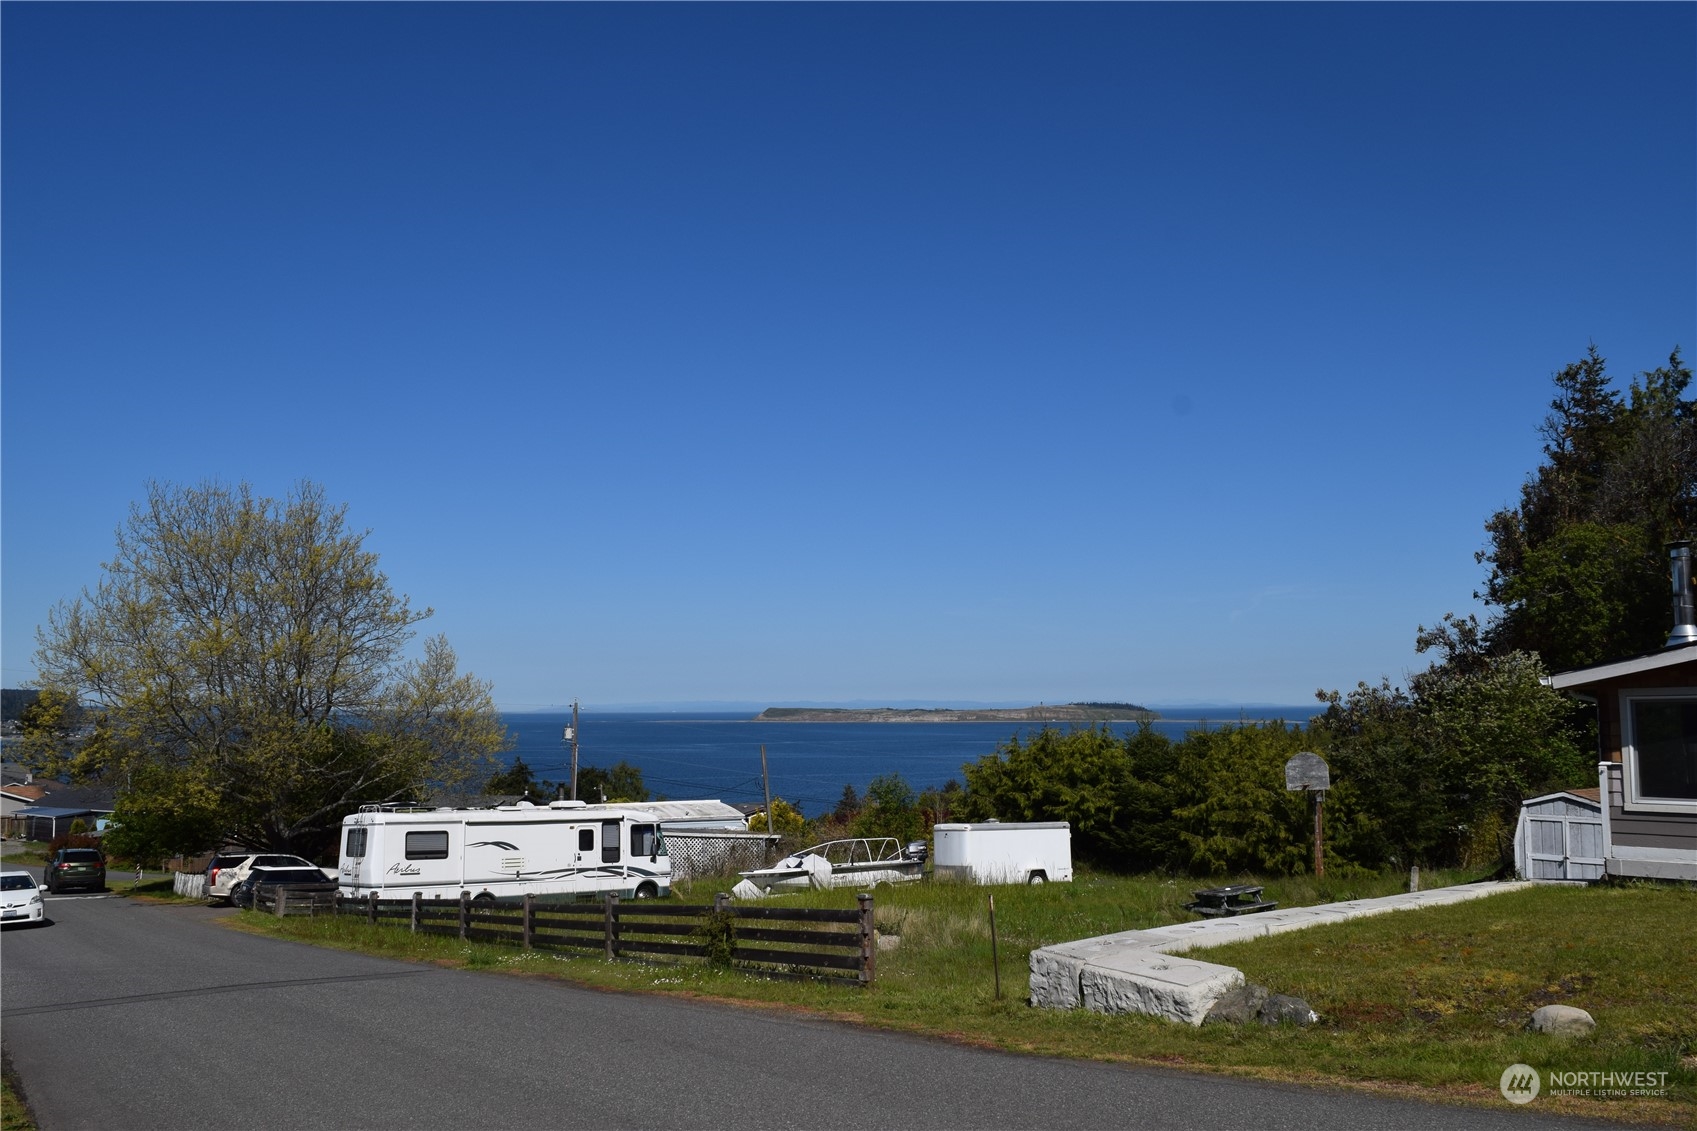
<point>996,853</point>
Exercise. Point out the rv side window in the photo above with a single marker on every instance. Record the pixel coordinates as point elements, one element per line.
<point>609,842</point>
<point>644,840</point>
<point>427,845</point>
<point>586,840</point>
<point>356,843</point>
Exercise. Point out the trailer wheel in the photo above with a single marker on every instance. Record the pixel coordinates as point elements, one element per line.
<point>1037,878</point>
<point>647,891</point>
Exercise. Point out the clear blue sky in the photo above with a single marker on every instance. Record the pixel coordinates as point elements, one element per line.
<point>836,353</point>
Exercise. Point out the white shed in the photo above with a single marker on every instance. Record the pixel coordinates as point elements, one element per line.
<point>1560,836</point>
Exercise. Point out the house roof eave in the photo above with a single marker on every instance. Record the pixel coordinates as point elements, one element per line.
<point>1616,669</point>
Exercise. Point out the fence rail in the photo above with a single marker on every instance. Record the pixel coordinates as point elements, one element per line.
<point>282,900</point>
<point>836,944</point>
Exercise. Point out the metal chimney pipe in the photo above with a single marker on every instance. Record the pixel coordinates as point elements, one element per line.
<point>1684,615</point>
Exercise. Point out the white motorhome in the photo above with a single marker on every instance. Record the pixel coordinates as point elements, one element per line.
<point>995,853</point>
<point>566,848</point>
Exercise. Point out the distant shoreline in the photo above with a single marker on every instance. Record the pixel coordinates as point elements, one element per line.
<point>1059,713</point>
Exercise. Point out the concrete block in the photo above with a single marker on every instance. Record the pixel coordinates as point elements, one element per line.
<point>1129,972</point>
<point>1157,986</point>
<point>1054,979</point>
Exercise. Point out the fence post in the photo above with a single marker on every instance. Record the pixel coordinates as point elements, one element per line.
<point>417,898</point>
<point>868,944</point>
<point>529,910</point>
<point>371,910</point>
<point>611,926</point>
<point>465,913</point>
<point>282,902</point>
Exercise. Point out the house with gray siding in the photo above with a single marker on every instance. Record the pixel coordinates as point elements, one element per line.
<point>1647,746</point>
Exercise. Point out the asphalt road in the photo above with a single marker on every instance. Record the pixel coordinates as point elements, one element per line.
<point>124,1015</point>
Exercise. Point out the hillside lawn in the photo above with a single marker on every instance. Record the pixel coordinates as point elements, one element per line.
<point>1428,1003</point>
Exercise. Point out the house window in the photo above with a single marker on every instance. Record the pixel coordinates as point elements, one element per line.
<point>356,843</point>
<point>427,845</point>
<point>1659,748</point>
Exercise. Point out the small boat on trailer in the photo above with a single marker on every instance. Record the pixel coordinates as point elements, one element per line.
<point>853,862</point>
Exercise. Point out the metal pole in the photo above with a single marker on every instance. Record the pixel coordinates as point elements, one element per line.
<point>995,957</point>
<point>767,782</point>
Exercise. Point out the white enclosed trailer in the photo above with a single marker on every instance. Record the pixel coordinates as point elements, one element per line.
<point>996,853</point>
<point>566,848</point>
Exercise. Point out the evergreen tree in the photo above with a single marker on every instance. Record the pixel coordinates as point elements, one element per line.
<point>1577,569</point>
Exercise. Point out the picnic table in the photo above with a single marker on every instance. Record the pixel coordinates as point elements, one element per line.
<point>1240,899</point>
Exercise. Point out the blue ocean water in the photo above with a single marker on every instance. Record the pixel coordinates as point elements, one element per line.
<point>713,755</point>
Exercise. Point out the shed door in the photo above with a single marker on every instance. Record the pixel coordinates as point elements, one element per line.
<point>1564,842</point>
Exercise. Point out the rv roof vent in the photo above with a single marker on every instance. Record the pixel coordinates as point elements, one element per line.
<point>568,804</point>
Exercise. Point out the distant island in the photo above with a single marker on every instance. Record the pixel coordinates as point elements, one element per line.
<point>1043,713</point>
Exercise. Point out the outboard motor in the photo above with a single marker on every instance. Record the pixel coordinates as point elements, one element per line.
<point>917,850</point>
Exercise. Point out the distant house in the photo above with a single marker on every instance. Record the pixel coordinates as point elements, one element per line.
<point>1647,746</point>
<point>44,809</point>
<point>17,795</point>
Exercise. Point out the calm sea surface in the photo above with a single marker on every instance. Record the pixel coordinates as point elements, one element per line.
<point>705,755</point>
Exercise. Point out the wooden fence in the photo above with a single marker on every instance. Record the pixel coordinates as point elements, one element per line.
<point>281,900</point>
<point>781,942</point>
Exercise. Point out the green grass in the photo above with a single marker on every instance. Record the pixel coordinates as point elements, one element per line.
<point>1429,1002</point>
<point>25,854</point>
<point>14,1116</point>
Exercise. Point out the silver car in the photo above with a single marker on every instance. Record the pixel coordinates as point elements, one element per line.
<point>229,869</point>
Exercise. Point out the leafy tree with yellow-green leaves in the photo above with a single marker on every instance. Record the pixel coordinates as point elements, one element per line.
<point>787,820</point>
<point>243,663</point>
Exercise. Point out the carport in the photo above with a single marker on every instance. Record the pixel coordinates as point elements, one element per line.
<point>42,822</point>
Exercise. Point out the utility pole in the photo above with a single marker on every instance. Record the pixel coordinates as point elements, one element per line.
<point>571,737</point>
<point>767,782</point>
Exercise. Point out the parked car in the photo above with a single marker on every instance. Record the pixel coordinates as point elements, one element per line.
<point>269,879</point>
<point>75,868</point>
<point>20,897</point>
<point>229,869</point>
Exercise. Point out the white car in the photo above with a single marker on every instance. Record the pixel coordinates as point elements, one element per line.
<point>20,897</point>
<point>229,869</point>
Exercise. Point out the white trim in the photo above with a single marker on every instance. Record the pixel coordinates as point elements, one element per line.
<point>1656,855</point>
<point>1603,769</point>
<point>1653,869</point>
<point>1579,677</point>
<point>1567,793</point>
<point>1631,800</point>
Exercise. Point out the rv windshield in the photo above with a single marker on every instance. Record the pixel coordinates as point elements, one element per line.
<point>645,840</point>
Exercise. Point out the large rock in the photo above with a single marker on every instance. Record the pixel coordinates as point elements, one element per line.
<point>1239,1006</point>
<point>1562,1021</point>
<point>1282,1007</point>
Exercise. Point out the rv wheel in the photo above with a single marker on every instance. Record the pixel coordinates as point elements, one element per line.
<point>1037,878</point>
<point>646,891</point>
